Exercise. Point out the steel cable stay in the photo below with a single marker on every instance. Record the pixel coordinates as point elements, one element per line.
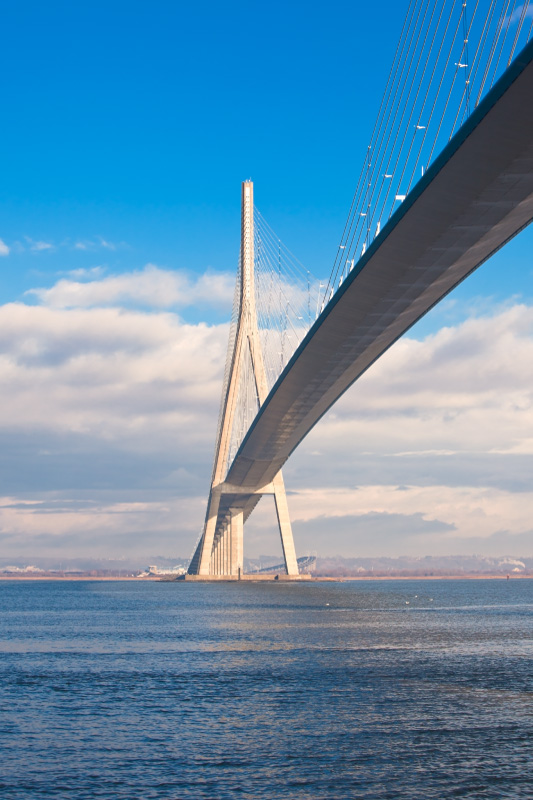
<point>377,126</point>
<point>271,330</point>
<point>421,114</point>
<point>408,125</point>
<point>282,319</point>
<point>284,297</point>
<point>509,16</point>
<point>289,294</point>
<point>263,225</point>
<point>285,293</point>
<point>467,92</point>
<point>293,273</point>
<point>428,120</point>
<point>530,31</point>
<point>430,85</point>
<point>276,318</point>
<point>466,34</point>
<point>445,70</point>
<point>356,214</point>
<point>466,66</point>
<point>420,79</point>
<point>478,59</point>
<point>271,255</point>
<point>480,49</point>
<point>296,272</point>
<point>492,49</point>
<point>519,30</point>
<point>380,201</point>
<point>505,16</point>
<point>387,154</point>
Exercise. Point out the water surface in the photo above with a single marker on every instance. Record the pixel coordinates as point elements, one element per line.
<point>384,689</point>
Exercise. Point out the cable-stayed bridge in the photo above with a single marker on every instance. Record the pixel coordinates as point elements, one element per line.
<point>447,180</point>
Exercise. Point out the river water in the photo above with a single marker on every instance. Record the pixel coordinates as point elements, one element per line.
<point>379,689</point>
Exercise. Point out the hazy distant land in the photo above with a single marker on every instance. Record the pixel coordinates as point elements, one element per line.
<point>325,567</point>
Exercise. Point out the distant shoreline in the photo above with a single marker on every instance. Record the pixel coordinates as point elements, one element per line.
<point>318,579</point>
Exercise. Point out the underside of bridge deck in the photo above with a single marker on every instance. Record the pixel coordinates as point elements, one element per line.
<point>476,196</point>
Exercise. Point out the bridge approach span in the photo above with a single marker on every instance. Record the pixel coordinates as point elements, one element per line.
<point>476,196</point>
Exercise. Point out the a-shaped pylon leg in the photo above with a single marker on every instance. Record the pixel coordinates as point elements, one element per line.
<point>285,528</point>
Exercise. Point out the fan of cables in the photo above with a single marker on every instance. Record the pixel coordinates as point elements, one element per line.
<point>286,305</point>
<point>448,57</point>
<point>287,299</point>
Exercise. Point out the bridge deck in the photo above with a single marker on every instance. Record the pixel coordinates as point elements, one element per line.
<point>475,197</point>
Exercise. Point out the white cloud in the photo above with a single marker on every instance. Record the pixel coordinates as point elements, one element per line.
<point>98,243</point>
<point>120,407</point>
<point>39,246</point>
<point>106,244</point>
<point>151,286</point>
<point>4,249</point>
<point>88,273</point>
<point>25,524</point>
<point>452,516</point>
<point>516,16</point>
<point>105,372</point>
<point>102,402</point>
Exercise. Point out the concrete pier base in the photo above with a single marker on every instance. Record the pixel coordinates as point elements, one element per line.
<point>261,577</point>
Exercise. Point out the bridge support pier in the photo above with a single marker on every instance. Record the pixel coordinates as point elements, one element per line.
<point>220,552</point>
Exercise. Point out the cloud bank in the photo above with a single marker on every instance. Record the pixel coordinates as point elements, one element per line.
<point>108,418</point>
<point>150,287</point>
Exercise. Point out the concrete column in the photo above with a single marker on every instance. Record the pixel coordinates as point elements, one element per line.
<point>223,553</point>
<point>236,527</point>
<point>228,540</point>
<point>226,551</point>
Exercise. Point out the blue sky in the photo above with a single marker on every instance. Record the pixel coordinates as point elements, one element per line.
<point>127,130</point>
<point>137,121</point>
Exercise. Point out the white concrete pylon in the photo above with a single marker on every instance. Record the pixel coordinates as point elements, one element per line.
<point>220,550</point>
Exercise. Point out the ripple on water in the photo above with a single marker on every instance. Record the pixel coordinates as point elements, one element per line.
<point>167,691</point>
